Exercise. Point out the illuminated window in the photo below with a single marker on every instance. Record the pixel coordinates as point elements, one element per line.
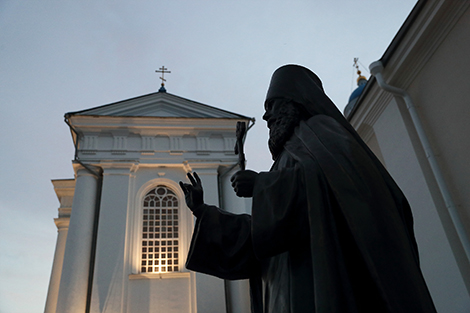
<point>160,226</point>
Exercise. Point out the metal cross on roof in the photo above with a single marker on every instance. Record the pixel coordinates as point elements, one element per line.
<point>162,70</point>
<point>356,65</point>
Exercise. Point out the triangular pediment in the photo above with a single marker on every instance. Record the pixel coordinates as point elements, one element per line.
<point>158,104</point>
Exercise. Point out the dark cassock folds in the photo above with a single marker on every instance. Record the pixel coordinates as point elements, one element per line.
<point>330,231</point>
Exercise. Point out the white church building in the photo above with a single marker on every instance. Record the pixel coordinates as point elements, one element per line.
<point>123,226</point>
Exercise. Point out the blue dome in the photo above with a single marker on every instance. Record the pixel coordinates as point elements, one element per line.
<point>361,84</point>
<point>356,93</point>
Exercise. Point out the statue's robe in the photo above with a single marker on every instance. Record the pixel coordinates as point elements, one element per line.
<point>329,232</point>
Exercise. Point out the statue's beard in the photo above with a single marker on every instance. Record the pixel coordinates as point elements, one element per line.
<point>283,128</point>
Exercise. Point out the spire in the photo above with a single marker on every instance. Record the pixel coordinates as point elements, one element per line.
<point>162,70</point>
<point>361,84</point>
<point>361,79</point>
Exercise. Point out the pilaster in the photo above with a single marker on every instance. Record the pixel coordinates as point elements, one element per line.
<point>56,273</point>
<point>210,291</point>
<point>75,270</point>
<point>110,277</point>
<point>237,291</point>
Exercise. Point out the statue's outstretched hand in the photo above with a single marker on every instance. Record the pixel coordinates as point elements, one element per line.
<point>243,183</point>
<point>193,193</point>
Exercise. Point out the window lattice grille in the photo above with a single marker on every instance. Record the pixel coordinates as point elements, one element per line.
<point>160,231</point>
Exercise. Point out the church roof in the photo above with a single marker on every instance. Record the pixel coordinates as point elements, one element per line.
<point>158,104</point>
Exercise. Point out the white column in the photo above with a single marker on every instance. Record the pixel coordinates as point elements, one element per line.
<point>210,290</point>
<point>238,291</point>
<point>111,269</point>
<point>53,292</point>
<point>75,270</point>
<point>209,179</point>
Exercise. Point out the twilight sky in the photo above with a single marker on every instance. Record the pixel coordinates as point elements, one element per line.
<point>62,56</point>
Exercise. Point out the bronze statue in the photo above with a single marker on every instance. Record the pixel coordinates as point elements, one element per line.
<point>330,230</point>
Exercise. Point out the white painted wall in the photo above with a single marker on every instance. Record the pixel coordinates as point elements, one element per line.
<point>438,263</point>
<point>172,295</point>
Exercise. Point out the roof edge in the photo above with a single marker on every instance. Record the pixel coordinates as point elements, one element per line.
<point>241,117</point>
<point>81,112</point>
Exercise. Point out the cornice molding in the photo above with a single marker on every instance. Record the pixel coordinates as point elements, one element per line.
<point>66,211</point>
<point>64,187</point>
<point>160,124</point>
<point>422,41</point>
<point>62,223</point>
<point>115,168</point>
<point>80,170</point>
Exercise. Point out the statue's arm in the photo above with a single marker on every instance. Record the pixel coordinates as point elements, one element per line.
<point>221,243</point>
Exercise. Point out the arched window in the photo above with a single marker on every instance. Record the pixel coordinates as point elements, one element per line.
<point>160,231</point>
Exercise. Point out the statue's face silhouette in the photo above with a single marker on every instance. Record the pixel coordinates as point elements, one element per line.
<point>272,110</point>
<point>282,116</point>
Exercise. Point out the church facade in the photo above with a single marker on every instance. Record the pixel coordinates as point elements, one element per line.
<point>413,113</point>
<point>123,226</point>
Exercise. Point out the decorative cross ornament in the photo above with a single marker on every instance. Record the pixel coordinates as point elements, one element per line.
<point>357,66</point>
<point>240,133</point>
<point>162,70</point>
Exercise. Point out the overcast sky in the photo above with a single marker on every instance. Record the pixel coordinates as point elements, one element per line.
<point>62,56</point>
